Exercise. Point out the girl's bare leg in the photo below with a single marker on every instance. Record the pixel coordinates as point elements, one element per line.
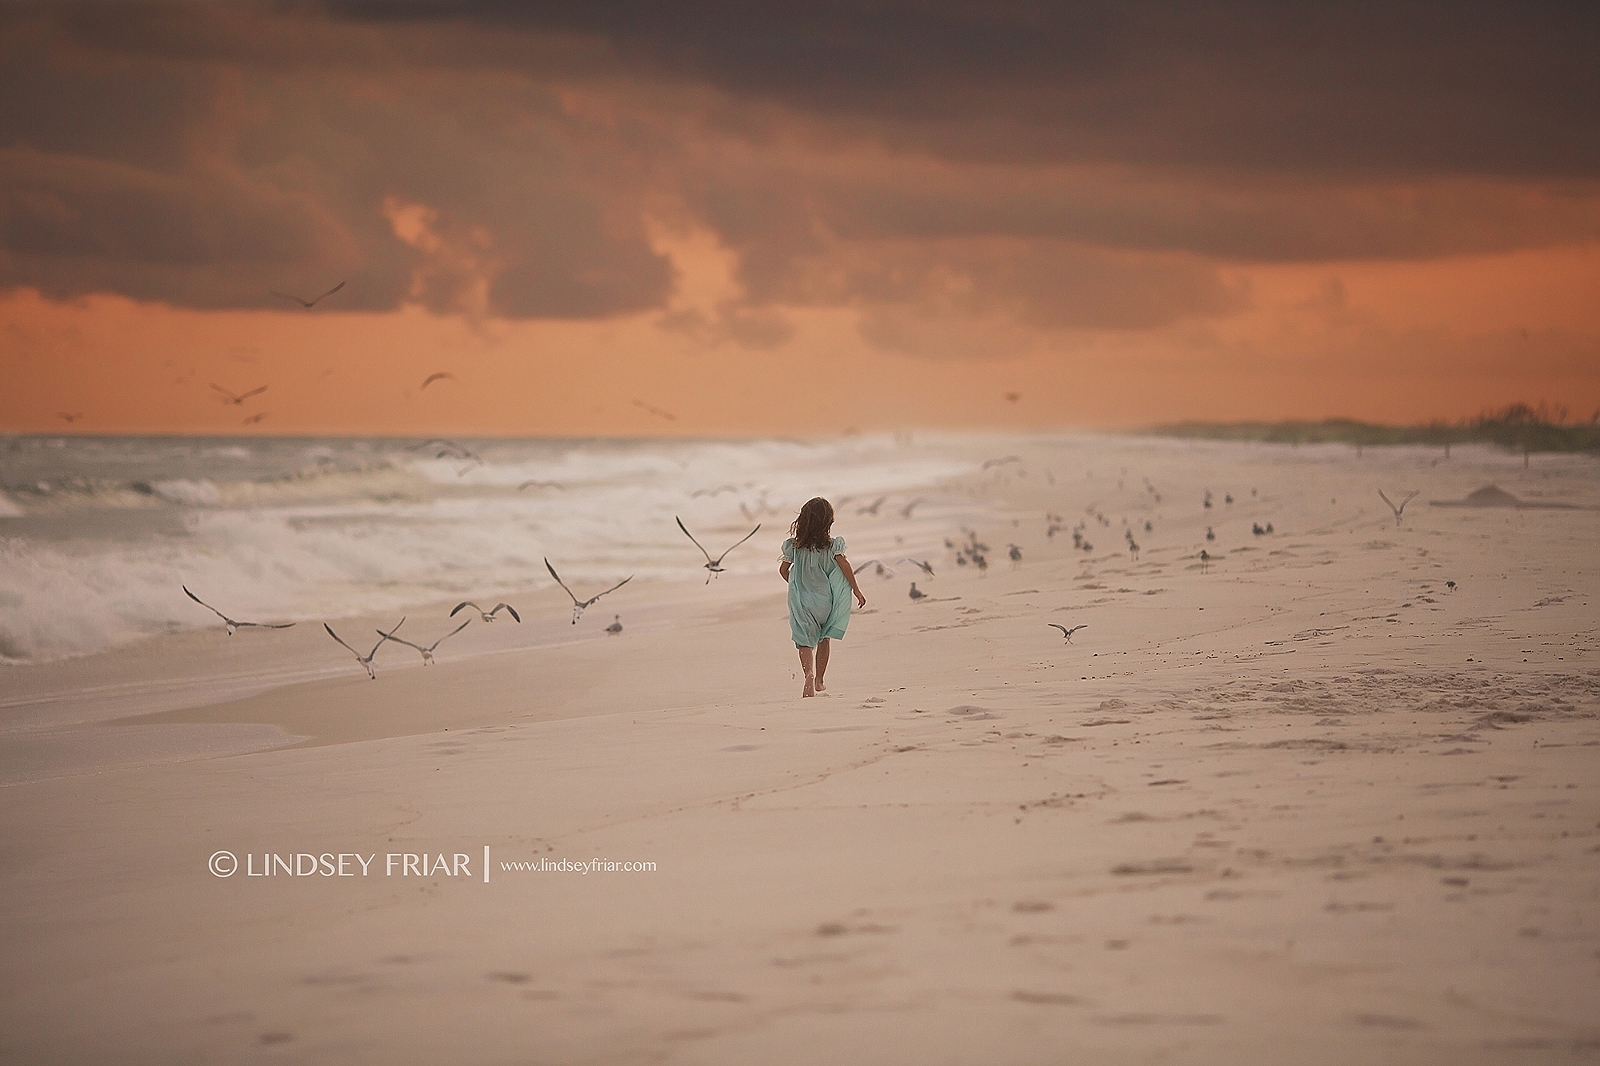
<point>806,655</point>
<point>822,663</point>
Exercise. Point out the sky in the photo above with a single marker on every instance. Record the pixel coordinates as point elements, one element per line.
<point>750,217</point>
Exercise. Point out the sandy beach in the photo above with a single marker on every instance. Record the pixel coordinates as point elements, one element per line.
<point>1330,796</point>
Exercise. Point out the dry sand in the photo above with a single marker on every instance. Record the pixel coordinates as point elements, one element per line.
<point>1306,804</point>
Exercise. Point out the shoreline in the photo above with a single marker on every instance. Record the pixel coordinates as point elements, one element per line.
<point>1303,799</point>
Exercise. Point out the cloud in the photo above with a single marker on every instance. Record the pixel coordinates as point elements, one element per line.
<point>1039,168</point>
<point>232,179</point>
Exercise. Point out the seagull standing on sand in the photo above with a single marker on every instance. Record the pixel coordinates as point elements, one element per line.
<point>1016,556</point>
<point>488,616</point>
<point>427,653</point>
<point>308,304</point>
<point>916,593</point>
<point>366,660</point>
<point>229,622</point>
<point>615,627</point>
<point>578,607</point>
<point>714,565</point>
<point>1065,632</point>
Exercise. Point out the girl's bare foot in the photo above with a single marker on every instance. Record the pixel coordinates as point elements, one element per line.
<point>809,690</point>
<point>820,686</point>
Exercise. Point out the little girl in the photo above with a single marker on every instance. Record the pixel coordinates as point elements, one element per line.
<point>820,583</point>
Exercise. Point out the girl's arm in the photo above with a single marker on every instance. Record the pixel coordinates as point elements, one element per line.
<point>850,576</point>
<point>783,570</point>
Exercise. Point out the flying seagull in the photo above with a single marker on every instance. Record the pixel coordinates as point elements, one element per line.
<point>427,653</point>
<point>229,622</point>
<point>656,411</point>
<point>872,508</point>
<point>308,305</point>
<point>987,463</point>
<point>253,419</point>
<point>719,490</point>
<point>921,564</point>
<point>1401,508</point>
<point>229,397</point>
<point>488,616</point>
<point>1067,632</point>
<point>366,660</point>
<point>905,512</point>
<point>442,375</point>
<point>577,607</point>
<point>70,417</point>
<point>714,565</point>
<point>541,485</point>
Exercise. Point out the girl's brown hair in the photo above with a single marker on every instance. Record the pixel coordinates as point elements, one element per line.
<point>814,528</point>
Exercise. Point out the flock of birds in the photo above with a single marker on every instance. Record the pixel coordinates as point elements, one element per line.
<point>971,552</point>
<point>713,566</point>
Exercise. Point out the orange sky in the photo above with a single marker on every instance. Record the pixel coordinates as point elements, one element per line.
<point>566,234</point>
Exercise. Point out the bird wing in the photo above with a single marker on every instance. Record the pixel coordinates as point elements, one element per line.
<point>252,392</point>
<point>512,609</point>
<point>735,544</point>
<point>266,625</point>
<point>299,301</point>
<point>612,589</point>
<point>466,603</point>
<point>382,636</point>
<point>563,584</point>
<point>231,397</point>
<point>444,638</point>
<point>440,376</point>
<point>1064,630</point>
<point>1074,629</point>
<point>206,605</point>
<point>697,544</point>
<point>327,294</point>
<point>1386,499</point>
<point>340,639</point>
<point>400,640</point>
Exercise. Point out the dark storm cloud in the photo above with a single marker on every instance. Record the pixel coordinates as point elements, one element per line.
<point>186,160</point>
<point>1069,165</point>
<point>1375,86</point>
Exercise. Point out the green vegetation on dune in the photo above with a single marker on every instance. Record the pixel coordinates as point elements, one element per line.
<point>1518,427</point>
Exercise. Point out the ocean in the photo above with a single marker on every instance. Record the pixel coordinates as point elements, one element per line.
<point>99,534</point>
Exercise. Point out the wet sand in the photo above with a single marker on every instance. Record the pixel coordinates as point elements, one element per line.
<point>1305,803</point>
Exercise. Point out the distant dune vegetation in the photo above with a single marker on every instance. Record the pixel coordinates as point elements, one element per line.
<point>1517,427</point>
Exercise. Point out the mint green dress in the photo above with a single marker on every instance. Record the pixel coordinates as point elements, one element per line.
<point>819,596</point>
